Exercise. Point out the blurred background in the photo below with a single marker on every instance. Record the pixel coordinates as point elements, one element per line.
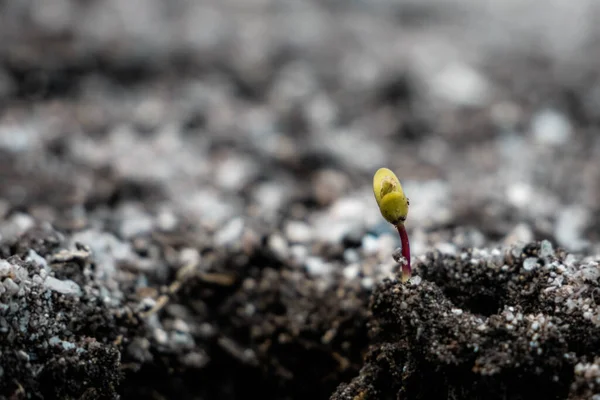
<point>487,112</point>
<point>258,124</point>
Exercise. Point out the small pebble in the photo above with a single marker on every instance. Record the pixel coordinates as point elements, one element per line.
<point>299,253</point>
<point>298,232</point>
<point>67,287</point>
<point>161,336</point>
<point>10,286</point>
<point>5,268</point>
<point>23,356</point>
<point>530,263</point>
<point>278,245</point>
<point>230,233</point>
<point>316,266</point>
<point>351,271</point>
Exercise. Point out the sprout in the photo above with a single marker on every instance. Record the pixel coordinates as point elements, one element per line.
<point>393,205</point>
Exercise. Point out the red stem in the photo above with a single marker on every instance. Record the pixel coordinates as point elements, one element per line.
<point>406,271</point>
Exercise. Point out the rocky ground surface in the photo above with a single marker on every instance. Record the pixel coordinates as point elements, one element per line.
<point>186,210</point>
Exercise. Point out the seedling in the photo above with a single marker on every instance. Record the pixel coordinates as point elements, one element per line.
<point>393,205</point>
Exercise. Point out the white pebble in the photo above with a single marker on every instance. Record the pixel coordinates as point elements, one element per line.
<point>530,263</point>
<point>570,225</point>
<point>446,248</point>
<point>370,244</point>
<point>299,253</point>
<point>367,282</point>
<point>36,259</point>
<point>551,127</point>
<point>278,245</point>
<point>415,280</point>
<point>230,233</point>
<point>67,287</point>
<point>180,326</point>
<point>298,232</point>
<point>316,266</point>
<point>351,256</point>
<point>5,268</point>
<point>462,85</point>
<point>10,286</point>
<point>351,271</point>
<point>189,256</point>
<point>166,220</point>
<point>161,336</point>
<point>456,311</point>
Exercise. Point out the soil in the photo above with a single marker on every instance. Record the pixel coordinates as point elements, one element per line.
<point>186,209</point>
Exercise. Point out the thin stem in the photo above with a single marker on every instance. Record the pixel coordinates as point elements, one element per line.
<point>406,270</point>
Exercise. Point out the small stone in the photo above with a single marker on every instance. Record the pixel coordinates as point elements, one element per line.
<point>23,356</point>
<point>230,233</point>
<point>180,326</point>
<point>270,196</point>
<point>161,336</point>
<point>520,234</point>
<point>299,253</point>
<point>11,287</point>
<point>370,244</point>
<point>166,221</point>
<point>351,271</point>
<point>67,287</point>
<point>589,272</point>
<point>135,225</point>
<point>461,85</point>
<point>298,232</point>
<point>446,248</point>
<point>570,226</point>
<point>316,266</point>
<point>551,127</point>
<point>235,171</point>
<point>21,274</point>
<point>351,256</point>
<point>546,249</point>
<point>195,359</point>
<point>415,280</point>
<point>530,263</point>
<point>189,256</point>
<point>367,282</point>
<point>456,311</point>
<point>278,245</point>
<point>36,259</point>
<point>206,330</point>
<point>5,268</point>
<point>509,316</point>
<point>146,304</point>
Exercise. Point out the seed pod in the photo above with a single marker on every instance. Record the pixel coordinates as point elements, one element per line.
<point>390,197</point>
